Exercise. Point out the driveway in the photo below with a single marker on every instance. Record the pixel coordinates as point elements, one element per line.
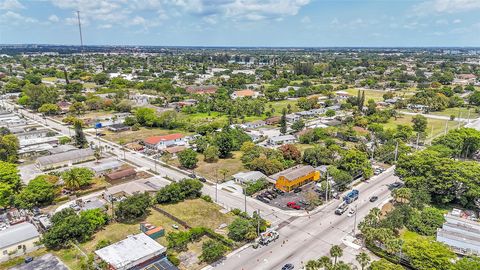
<point>45,262</point>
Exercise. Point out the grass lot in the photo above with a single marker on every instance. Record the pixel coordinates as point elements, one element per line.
<point>49,79</point>
<point>458,112</point>
<point>199,213</point>
<point>195,212</point>
<point>89,85</point>
<point>143,133</point>
<point>407,235</point>
<point>435,127</point>
<point>211,170</point>
<point>377,95</point>
<point>279,105</point>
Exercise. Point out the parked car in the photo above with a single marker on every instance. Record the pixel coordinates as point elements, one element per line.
<point>192,175</point>
<point>262,199</point>
<point>266,195</point>
<point>351,212</point>
<point>373,198</point>
<point>279,191</point>
<point>288,266</point>
<point>297,190</point>
<point>28,259</point>
<point>396,185</point>
<point>293,205</point>
<point>303,202</point>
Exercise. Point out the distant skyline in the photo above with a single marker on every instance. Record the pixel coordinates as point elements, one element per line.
<point>244,23</point>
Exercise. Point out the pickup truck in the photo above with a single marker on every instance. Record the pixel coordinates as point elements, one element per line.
<point>342,208</point>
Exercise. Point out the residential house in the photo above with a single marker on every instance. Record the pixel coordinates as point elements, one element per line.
<point>106,167</point>
<point>150,185</point>
<point>17,240</point>
<point>254,124</point>
<point>293,117</point>
<point>118,127</point>
<point>244,93</point>
<point>162,142</point>
<point>282,139</point>
<point>273,120</point>
<point>124,174</point>
<point>174,149</point>
<point>294,177</point>
<point>342,94</point>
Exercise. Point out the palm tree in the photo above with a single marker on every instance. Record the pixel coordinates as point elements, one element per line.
<point>402,195</point>
<point>342,266</point>
<point>325,262</point>
<point>363,259</point>
<point>71,180</point>
<point>336,251</point>
<point>312,265</point>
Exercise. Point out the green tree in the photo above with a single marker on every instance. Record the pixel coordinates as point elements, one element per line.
<point>38,192</point>
<point>283,122</point>
<point>133,208</point>
<point>35,96</point>
<point>95,217</point>
<point>428,254</point>
<point>6,193</point>
<point>467,263</point>
<point>363,259</point>
<point>49,109</point>
<point>419,123</point>
<point>9,146</point>
<point>212,250</point>
<point>241,229</point>
<point>336,252</point>
<point>188,158</point>
<point>9,175</point>
<point>383,264</point>
<point>356,162</point>
<point>76,178</point>
<point>330,113</point>
<point>100,78</point>
<point>80,139</point>
<point>211,153</point>
<point>427,221</point>
<point>298,125</point>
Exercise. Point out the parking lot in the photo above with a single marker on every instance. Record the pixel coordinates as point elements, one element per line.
<point>301,198</point>
<point>45,262</point>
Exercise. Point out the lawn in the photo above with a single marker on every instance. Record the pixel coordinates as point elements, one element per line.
<point>377,95</point>
<point>143,133</point>
<point>407,236</point>
<point>459,112</point>
<point>279,105</point>
<point>435,127</point>
<point>212,170</point>
<point>199,213</point>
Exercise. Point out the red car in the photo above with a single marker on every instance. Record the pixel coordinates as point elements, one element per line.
<point>293,205</point>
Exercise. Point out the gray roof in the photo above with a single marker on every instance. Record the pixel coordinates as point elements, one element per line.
<point>283,138</point>
<point>130,251</point>
<point>67,156</point>
<point>249,176</point>
<point>105,166</point>
<point>17,233</point>
<point>62,149</point>
<point>294,172</point>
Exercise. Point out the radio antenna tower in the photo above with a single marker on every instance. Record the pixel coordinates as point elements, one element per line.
<point>80,30</point>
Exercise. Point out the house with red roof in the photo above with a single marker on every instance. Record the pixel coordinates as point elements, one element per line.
<point>162,142</point>
<point>244,93</point>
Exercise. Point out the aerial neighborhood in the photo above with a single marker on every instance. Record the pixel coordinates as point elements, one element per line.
<point>188,158</point>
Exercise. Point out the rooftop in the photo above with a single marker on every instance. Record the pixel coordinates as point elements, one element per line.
<point>60,157</point>
<point>294,172</point>
<point>157,139</point>
<point>131,251</point>
<point>17,233</point>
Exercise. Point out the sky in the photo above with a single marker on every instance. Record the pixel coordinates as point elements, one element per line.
<point>270,23</point>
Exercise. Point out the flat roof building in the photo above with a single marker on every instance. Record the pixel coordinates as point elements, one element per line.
<point>294,177</point>
<point>135,252</point>
<point>65,159</point>
<point>17,240</point>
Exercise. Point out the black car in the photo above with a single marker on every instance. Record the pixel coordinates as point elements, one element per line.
<point>397,185</point>
<point>202,179</point>
<point>263,199</point>
<point>192,175</point>
<point>297,190</point>
<point>28,259</point>
<point>278,191</point>
<point>288,266</point>
<point>373,198</point>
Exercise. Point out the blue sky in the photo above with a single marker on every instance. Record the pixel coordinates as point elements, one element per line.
<point>316,23</point>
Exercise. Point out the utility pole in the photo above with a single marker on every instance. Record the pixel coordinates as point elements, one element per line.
<point>396,151</point>
<point>245,195</point>
<point>326,188</point>
<point>446,127</point>
<point>355,220</point>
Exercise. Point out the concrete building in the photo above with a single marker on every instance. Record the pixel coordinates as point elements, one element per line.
<point>460,233</point>
<point>135,252</point>
<point>254,124</point>
<point>245,177</point>
<point>282,139</point>
<point>17,240</point>
<point>162,142</point>
<point>129,173</point>
<point>64,159</point>
<point>106,167</point>
<point>118,192</point>
<point>294,177</point>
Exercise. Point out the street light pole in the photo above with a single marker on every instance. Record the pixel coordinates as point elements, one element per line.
<point>355,220</point>
<point>245,195</point>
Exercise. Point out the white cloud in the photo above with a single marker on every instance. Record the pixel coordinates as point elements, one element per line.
<point>105,26</point>
<point>13,18</point>
<point>10,5</point>
<point>53,18</point>
<point>252,10</point>
<point>457,21</point>
<point>447,6</point>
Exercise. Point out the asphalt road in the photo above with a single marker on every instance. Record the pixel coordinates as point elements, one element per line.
<point>305,238</point>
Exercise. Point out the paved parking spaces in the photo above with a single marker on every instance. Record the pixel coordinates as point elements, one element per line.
<point>281,200</point>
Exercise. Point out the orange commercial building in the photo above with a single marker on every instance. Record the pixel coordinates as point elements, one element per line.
<point>294,177</point>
